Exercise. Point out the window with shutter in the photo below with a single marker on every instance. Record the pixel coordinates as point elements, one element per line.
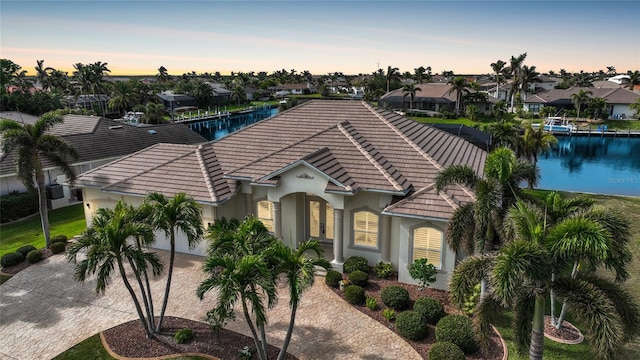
<point>365,229</point>
<point>427,244</point>
<point>265,214</point>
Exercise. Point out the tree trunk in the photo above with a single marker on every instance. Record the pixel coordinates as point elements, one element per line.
<point>245,311</point>
<point>537,331</point>
<point>563,311</point>
<point>148,290</point>
<point>287,338</point>
<point>123,274</point>
<point>143,294</point>
<point>552,296</point>
<point>168,286</point>
<point>42,201</point>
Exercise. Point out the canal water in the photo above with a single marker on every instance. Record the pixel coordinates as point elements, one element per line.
<point>594,164</point>
<point>217,128</point>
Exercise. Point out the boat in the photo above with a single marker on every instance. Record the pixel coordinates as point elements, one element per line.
<point>556,124</point>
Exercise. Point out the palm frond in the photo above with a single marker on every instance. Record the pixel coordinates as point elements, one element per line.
<point>579,237</point>
<point>467,275</point>
<point>460,229</point>
<point>523,309</point>
<point>485,313</point>
<point>456,174</point>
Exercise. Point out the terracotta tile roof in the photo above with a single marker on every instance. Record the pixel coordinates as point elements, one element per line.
<point>358,148</point>
<point>611,95</point>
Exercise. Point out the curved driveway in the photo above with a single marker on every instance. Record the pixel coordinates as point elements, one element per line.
<point>43,312</point>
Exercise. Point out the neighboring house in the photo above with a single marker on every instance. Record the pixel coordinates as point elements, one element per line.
<point>96,103</point>
<point>19,117</point>
<point>502,92</point>
<point>618,100</point>
<point>98,141</point>
<point>221,95</point>
<point>175,103</point>
<point>299,89</point>
<point>434,97</point>
<point>543,83</point>
<point>359,179</point>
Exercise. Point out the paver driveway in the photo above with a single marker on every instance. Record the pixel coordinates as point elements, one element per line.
<point>43,312</point>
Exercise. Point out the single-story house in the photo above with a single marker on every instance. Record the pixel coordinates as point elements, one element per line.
<point>175,103</point>
<point>618,100</point>
<point>98,141</point>
<point>358,178</point>
<point>431,97</point>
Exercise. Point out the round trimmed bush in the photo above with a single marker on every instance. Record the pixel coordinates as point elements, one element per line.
<point>24,250</point>
<point>411,325</point>
<point>355,263</point>
<point>354,294</point>
<point>395,297</point>
<point>333,278</point>
<point>59,238</point>
<point>444,350</point>
<point>57,247</point>
<point>430,309</point>
<point>11,259</point>
<point>457,329</point>
<point>383,270</point>
<point>359,278</point>
<point>34,256</point>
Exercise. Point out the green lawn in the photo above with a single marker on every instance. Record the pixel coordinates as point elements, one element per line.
<point>67,221</point>
<point>90,348</point>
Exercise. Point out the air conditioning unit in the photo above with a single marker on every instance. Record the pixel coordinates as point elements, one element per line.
<point>55,191</point>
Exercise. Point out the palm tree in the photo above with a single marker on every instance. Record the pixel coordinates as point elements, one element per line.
<point>611,70</point>
<point>107,247</point>
<point>498,68</point>
<point>32,145</point>
<point>521,277</point>
<point>460,86</point>
<point>580,98</point>
<point>528,75</point>
<point>238,93</point>
<point>122,96</point>
<point>410,89</point>
<point>154,113</point>
<point>299,271</point>
<point>171,215</point>
<point>504,134</point>
<point>393,74</point>
<point>163,75</point>
<point>515,66</point>
<point>498,110</point>
<point>535,141</point>
<point>42,74</point>
<point>634,79</point>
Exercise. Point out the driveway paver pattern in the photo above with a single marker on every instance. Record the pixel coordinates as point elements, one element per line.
<point>44,311</point>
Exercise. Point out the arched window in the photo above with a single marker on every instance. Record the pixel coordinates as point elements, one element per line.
<point>265,214</point>
<point>365,229</point>
<point>427,244</point>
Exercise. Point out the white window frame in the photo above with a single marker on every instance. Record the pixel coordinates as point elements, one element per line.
<point>413,246</point>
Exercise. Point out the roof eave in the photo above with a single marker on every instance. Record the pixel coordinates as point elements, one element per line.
<point>413,216</point>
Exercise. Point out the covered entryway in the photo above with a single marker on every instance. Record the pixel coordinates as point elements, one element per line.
<point>320,219</point>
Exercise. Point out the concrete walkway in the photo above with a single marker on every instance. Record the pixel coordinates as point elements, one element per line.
<point>43,312</point>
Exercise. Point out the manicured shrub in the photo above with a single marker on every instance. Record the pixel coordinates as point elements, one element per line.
<point>372,303</point>
<point>57,247</point>
<point>359,278</point>
<point>332,278</point>
<point>34,256</point>
<point>430,309</point>
<point>17,205</point>
<point>354,294</point>
<point>355,263</point>
<point>24,250</point>
<point>457,329</point>
<point>389,314</point>
<point>59,238</point>
<point>411,325</point>
<point>383,270</point>
<point>395,297</point>
<point>183,335</point>
<point>11,259</point>
<point>422,271</point>
<point>444,350</point>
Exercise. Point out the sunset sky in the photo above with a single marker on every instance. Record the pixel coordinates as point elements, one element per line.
<point>137,37</point>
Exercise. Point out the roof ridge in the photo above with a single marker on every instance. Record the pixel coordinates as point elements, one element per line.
<point>149,169</point>
<point>405,138</point>
<point>205,171</point>
<point>368,155</point>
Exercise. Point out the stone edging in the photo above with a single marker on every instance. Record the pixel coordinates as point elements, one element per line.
<point>505,351</point>
<point>172,356</point>
<point>5,274</point>
<point>563,341</point>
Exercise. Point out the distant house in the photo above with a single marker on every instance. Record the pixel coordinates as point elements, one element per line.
<point>359,179</point>
<point>98,141</point>
<point>221,95</point>
<point>432,97</point>
<point>617,99</point>
<point>96,103</point>
<point>177,103</point>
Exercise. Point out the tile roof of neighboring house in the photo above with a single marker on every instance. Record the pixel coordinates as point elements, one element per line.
<point>358,148</point>
<point>427,91</point>
<point>19,117</point>
<point>612,96</point>
<point>171,97</point>
<point>97,138</point>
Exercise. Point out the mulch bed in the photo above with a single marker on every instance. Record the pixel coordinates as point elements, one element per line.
<point>129,340</point>
<point>25,264</point>
<point>567,333</point>
<point>375,287</point>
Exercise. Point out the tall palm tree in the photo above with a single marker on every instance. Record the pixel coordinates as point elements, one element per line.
<point>154,113</point>
<point>393,74</point>
<point>42,74</point>
<point>460,86</point>
<point>498,68</point>
<point>122,96</point>
<point>634,79</point>
<point>504,134</point>
<point>107,248</point>
<point>580,98</point>
<point>181,214</point>
<point>238,93</point>
<point>410,90</point>
<point>514,69</point>
<point>521,278</point>
<point>32,145</point>
<point>299,270</point>
<point>535,141</point>
<point>528,75</point>
<point>163,74</point>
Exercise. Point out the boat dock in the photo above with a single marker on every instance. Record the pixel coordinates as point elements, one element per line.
<point>599,131</point>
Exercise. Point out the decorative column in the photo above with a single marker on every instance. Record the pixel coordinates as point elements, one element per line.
<point>385,245</point>
<point>337,236</point>
<point>277,223</point>
<point>248,204</point>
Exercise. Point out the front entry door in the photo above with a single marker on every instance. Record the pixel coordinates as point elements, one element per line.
<point>320,219</point>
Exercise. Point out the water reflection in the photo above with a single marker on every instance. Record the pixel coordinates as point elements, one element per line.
<point>217,128</point>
